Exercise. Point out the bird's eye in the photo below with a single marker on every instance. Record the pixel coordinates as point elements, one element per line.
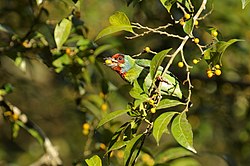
<point>120,58</point>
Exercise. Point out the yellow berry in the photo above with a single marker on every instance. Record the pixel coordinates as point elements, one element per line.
<point>217,66</point>
<point>196,22</point>
<point>187,16</point>
<point>182,22</point>
<point>214,33</point>
<point>180,64</point>
<point>217,72</point>
<point>15,117</point>
<point>147,49</point>
<point>108,61</point>
<point>86,126</point>
<point>85,132</point>
<point>151,102</point>
<point>195,61</point>
<point>196,40</point>
<point>104,107</point>
<point>153,110</point>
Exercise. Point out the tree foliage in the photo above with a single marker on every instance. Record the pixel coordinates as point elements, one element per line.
<point>154,121</point>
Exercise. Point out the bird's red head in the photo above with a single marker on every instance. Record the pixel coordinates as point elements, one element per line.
<point>116,62</point>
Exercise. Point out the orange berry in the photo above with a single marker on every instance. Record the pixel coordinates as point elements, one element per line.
<point>217,72</point>
<point>182,22</point>
<point>68,51</point>
<point>102,146</point>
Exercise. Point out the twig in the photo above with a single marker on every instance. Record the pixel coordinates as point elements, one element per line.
<point>152,30</point>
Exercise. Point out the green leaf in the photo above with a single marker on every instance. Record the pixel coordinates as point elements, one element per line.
<point>171,154</point>
<point>113,29</point>
<point>182,131</point>
<point>32,131</point>
<point>213,55</point>
<point>156,62</point>
<point>92,107</point>
<point>188,27</point>
<point>130,148</point>
<point>119,18</point>
<point>15,130</point>
<point>186,161</point>
<point>60,62</point>
<point>102,48</point>
<point>168,4</point>
<point>186,4</point>
<point>117,145</point>
<point>94,161</point>
<point>119,22</point>
<point>167,103</point>
<point>136,91</point>
<point>111,116</point>
<point>160,125</point>
<point>62,32</point>
<point>244,3</point>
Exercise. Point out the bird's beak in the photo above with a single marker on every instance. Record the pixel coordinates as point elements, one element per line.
<point>109,61</point>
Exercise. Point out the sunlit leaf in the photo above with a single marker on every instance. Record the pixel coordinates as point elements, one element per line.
<point>62,32</point>
<point>113,29</point>
<point>188,27</point>
<point>167,103</point>
<point>111,116</point>
<point>119,18</point>
<point>117,145</point>
<point>182,131</point>
<point>119,22</point>
<point>130,148</point>
<point>156,62</point>
<point>160,125</point>
<point>244,3</point>
<point>94,161</point>
<point>38,2</point>
<point>171,154</point>
<point>168,4</point>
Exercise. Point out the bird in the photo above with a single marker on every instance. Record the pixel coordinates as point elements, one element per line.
<point>133,69</point>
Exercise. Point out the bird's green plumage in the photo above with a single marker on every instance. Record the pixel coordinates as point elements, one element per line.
<point>136,69</point>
